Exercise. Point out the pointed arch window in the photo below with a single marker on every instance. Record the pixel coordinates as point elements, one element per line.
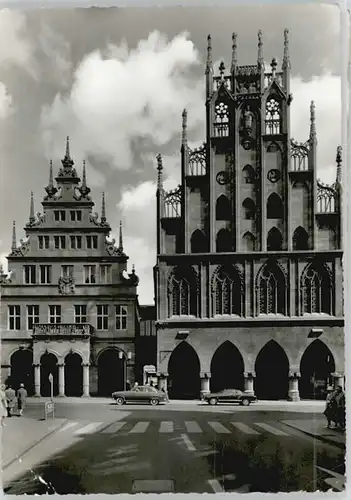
<point>316,291</point>
<point>249,209</point>
<point>274,207</point>
<point>248,174</point>
<point>273,117</point>
<point>198,242</point>
<point>300,239</point>
<point>224,241</point>
<point>221,124</point>
<point>182,294</point>
<point>274,240</point>
<point>271,291</point>
<point>248,242</point>
<point>223,208</point>
<point>227,292</point>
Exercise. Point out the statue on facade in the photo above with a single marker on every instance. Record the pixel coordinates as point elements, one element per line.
<point>248,119</point>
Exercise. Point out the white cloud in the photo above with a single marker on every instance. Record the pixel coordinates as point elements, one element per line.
<point>5,102</point>
<point>127,98</point>
<point>15,48</point>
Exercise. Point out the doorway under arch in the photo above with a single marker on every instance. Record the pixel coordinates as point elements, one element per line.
<point>272,372</point>
<point>316,366</point>
<point>73,375</point>
<point>22,370</point>
<point>110,373</point>
<point>184,373</point>
<point>48,364</point>
<point>227,368</point>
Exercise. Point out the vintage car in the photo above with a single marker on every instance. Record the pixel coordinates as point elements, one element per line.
<point>140,394</point>
<point>229,396</point>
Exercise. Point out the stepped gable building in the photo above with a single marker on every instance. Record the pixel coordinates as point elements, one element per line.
<point>69,307</point>
<point>248,280</point>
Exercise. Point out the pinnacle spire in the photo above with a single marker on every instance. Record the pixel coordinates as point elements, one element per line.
<point>313,133</point>
<point>67,162</point>
<point>120,246</point>
<point>31,208</point>
<point>84,190</point>
<point>260,61</point>
<point>14,239</point>
<point>234,54</point>
<point>159,172</point>
<point>184,126</point>
<point>84,176</point>
<point>338,164</point>
<point>103,209</point>
<point>286,58</point>
<point>51,177</point>
<point>209,66</point>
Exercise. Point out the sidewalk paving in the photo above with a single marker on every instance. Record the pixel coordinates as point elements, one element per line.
<point>21,434</point>
<point>317,429</point>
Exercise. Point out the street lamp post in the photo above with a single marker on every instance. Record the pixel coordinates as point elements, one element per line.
<point>121,355</point>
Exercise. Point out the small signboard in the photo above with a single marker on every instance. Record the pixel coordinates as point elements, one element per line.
<point>49,409</point>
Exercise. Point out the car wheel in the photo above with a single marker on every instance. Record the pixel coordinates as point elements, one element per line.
<point>213,401</point>
<point>154,402</point>
<point>245,402</point>
<point>119,401</point>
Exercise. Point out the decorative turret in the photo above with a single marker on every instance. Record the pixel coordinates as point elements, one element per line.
<point>159,173</point>
<point>84,190</point>
<point>338,165</point>
<point>234,53</point>
<point>184,128</point>
<point>14,239</point>
<point>31,209</point>
<point>286,59</point>
<point>209,68</point>
<point>67,171</point>
<point>260,60</point>
<point>103,210</point>
<point>51,189</point>
<point>313,133</point>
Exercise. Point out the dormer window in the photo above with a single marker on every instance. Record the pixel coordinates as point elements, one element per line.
<point>76,215</point>
<point>92,242</point>
<point>59,215</point>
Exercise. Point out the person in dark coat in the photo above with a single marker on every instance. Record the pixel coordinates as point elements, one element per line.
<point>21,399</point>
<point>11,400</point>
<point>330,407</point>
<point>340,407</point>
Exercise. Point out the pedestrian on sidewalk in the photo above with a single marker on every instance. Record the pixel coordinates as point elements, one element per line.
<point>330,407</point>
<point>11,400</point>
<point>21,399</point>
<point>340,408</point>
<point>3,404</point>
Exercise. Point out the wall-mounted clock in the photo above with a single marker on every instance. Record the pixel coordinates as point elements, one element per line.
<point>222,177</point>
<point>273,175</point>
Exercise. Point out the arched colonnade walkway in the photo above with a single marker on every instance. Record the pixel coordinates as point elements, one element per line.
<point>71,377</point>
<point>272,379</point>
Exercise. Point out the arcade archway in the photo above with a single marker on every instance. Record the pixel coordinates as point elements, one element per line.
<point>316,366</point>
<point>184,373</point>
<point>272,372</point>
<point>227,368</point>
<point>48,364</point>
<point>110,373</point>
<point>73,375</point>
<point>22,370</point>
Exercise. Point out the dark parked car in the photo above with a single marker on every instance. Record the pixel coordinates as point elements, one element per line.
<point>229,396</point>
<point>140,394</point>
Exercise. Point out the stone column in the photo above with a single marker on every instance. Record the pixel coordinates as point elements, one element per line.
<point>61,380</point>
<point>338,379</point>
<point>37,381</point>
<point>86,385</point>
<point>293,393</point>
<point>205,384</point>
<point>249,383</point>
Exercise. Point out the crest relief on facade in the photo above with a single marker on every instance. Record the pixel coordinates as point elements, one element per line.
<point>66,285</point>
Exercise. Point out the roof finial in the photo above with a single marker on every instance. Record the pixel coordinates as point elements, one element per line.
<point>159,172</point>
<point>260,61</point>
<point>184,126</point>
<point>286,58</point>
<point>274,65</point>
<point>103,210</point>
<point>209,67</point>
<point>51,177</point>
<point>120,246</point>
<point>31,209</point>
<point>234,54</point>
<point>14,239</point>
<point>84,176</point>
<point>313,132</point>
<point>338,164</point>
<point>221,70</point>
<point>67,162</point>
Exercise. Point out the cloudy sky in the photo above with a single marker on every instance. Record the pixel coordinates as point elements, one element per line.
<point>116,81</point>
